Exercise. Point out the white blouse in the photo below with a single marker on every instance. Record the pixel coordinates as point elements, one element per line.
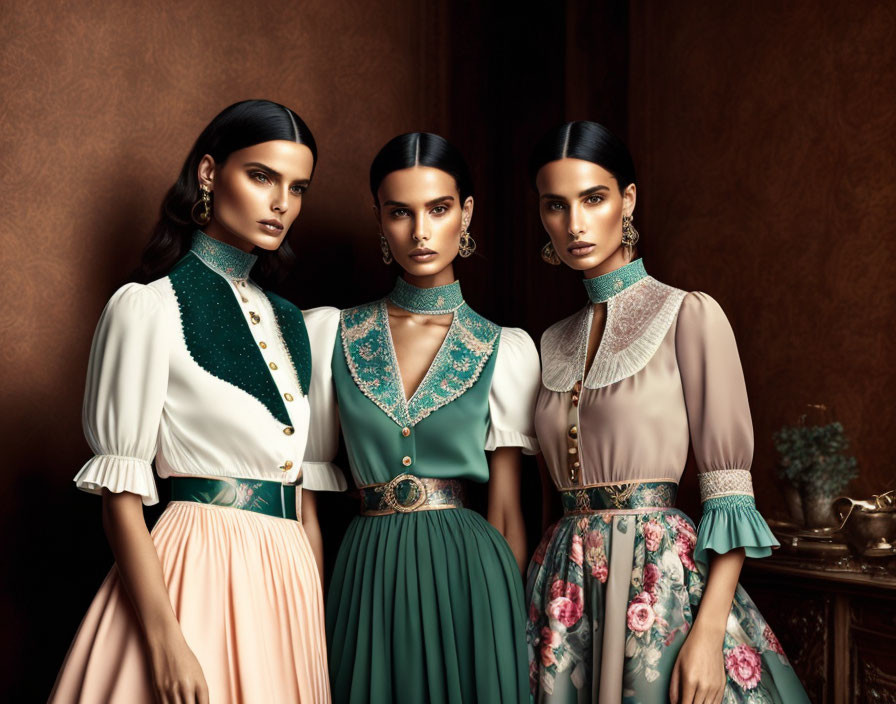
<point>148,399</point>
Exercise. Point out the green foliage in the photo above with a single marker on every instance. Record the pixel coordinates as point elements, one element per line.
<point>813,459</point>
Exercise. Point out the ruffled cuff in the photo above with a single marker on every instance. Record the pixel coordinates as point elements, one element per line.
<point>322,476</point>
<point>118,474</point>
<point>731,522</point>
<point>510,438</point>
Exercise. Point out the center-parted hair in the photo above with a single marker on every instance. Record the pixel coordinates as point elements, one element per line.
<point>421,149</point>
<point>236,127</point>
<point>588,141</point>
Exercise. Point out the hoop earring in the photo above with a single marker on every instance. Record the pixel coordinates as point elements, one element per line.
<point>467,244</point>
<point>549,255</point>
<point>384,248</point>
<point>630,235</point>
<point>205,200</point>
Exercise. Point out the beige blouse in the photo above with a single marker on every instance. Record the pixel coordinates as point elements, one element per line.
<point>666,372</point>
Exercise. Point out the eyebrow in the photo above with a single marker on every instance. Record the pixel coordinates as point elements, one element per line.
<point>428,204</point>
<point>274,172</point>
<point>586,192</point>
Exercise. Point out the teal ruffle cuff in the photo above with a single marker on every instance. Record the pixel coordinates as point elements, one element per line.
<point>731,522</point>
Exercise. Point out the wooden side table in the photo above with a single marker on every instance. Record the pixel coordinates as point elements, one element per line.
<point>836,620</point>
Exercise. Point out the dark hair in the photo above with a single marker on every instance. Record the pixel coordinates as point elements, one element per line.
<point>588,141</point>
<point>241,125</point>
<point>421,149</point>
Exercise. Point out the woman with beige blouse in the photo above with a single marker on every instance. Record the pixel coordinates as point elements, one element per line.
<point>628,602</point>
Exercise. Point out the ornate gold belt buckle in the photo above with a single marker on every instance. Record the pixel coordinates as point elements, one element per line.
<point>392,501</point>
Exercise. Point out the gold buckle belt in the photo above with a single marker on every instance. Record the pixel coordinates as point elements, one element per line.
<point>407,493</point>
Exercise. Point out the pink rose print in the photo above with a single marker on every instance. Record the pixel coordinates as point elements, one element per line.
<point>564,610</point>
<point>640,616</point>
<point>600,571</point>
<point>571,591</point>
<point>651,576</point>
<point>772,640</point>
<point>684,546</point>
<point>653,533</point>
<point>642,598</point>
<point>594,540</point>
<point>575,550</point>
<point>744,666</point>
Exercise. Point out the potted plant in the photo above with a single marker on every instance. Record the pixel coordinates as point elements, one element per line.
<point>813,460</point>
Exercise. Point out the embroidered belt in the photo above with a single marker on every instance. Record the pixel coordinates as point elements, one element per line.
<point>632,495</point>
<point>267,497</point>
<point>407,493</point>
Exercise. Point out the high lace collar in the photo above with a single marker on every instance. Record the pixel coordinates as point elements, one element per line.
<point>427,301</point>
<point>602,288</point>
<point>225,259</point>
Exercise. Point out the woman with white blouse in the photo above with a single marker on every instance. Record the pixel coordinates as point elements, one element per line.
<point>208,375</point>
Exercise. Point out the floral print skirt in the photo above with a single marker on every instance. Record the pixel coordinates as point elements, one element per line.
<point>611,597</point>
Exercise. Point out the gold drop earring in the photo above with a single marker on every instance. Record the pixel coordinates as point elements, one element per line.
<point>549,254</point>
<point>467,243</point>
<point>384,248</point>
<point>630,235</point>
<point>205,202</point>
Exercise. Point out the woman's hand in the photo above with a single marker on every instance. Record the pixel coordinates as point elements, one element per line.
<point>176,672</point>
<point>699,673</point>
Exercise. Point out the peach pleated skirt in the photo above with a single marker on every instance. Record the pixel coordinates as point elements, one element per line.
<point>246,591</point>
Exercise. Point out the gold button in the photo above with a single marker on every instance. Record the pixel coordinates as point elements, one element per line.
<point>577,387</point>
<point>573,451</point>
<point>406,431</point>
<point>576,465</point>
<point>286,466</point>
<point>272,365</point>
<point>575,400</point>
<point>288,397</point>
<point>254,317</point>
<point>573,431</point>
<point>289,430</point>
<point>263,345</point>
<point>406,461</point>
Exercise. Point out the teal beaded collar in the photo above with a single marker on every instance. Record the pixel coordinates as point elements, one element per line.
<point>225,259</point>
<point>427,301</point>
<point>602,288</point>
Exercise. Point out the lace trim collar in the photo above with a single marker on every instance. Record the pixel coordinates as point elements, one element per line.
<point>638,319</point>
<point>370,356</point>
<point>226,260</point>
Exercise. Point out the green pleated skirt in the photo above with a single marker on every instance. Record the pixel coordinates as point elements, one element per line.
<point>426,607</point>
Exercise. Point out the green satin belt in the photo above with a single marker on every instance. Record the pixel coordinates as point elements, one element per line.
<point>267,497</point>
<point>407,492</point>
<point>619,497</point>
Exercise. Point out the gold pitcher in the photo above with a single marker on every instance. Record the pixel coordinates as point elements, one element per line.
<point>869,524</point>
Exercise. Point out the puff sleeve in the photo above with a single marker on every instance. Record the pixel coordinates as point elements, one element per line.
<point>318,471</point>
<point>127,380</point>
<point>511,400</point>
<point>721,431</point>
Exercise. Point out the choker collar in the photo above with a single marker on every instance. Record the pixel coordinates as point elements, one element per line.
<point>603,288</point>
<point>427,301</point>
<point>225,259</point>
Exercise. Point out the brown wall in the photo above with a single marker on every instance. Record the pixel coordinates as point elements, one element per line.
<point>763,134</point>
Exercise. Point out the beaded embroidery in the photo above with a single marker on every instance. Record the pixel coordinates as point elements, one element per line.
<point>294,336</point>
<point>427,301</point>
<point>725,482</point>
<point>226,260</point>
<point>216,334</point>
<point>603,288</point>
<point>370,357</point>
<point>638,320</point>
